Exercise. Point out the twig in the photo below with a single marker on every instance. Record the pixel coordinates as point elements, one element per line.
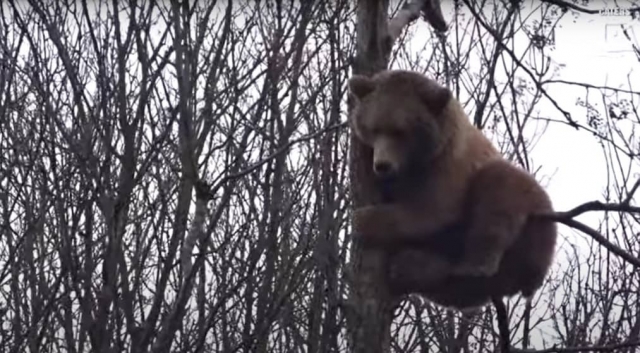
<point>280,151</point>
<point>632,192</point>
<point>588,85</point>
<point>520,64</point>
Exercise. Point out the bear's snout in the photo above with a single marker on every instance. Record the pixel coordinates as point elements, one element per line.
<point>382,168</point>
<point>386,158</point>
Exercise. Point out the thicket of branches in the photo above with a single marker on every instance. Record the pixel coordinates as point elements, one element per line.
<point>174,177</point>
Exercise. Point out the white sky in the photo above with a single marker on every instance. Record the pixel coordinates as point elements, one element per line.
<point>595,52</point>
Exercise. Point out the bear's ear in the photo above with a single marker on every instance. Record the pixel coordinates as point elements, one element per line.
<point>360,86</point>
<point>437,97</point>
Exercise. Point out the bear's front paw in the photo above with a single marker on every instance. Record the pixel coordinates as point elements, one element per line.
<point>373,223</point>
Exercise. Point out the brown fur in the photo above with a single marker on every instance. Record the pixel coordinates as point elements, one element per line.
<point>457,216</point>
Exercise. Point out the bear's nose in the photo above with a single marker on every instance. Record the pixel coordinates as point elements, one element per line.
<point>382,168</point>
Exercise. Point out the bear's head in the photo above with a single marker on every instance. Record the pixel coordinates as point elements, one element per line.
<point>401,116</point>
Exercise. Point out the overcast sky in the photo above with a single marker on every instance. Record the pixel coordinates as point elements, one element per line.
<point>594,51</point>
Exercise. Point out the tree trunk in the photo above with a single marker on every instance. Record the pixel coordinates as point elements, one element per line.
<point>371,306</point>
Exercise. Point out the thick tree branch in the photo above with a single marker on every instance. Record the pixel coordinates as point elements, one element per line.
<point>410,12</point>
<point>567,5</point>
<point>600,349</point>
<point>566,218</point>
<point>432,12</point>
<point>503,324</point>
<point>598,206</point>
<point>600,239</point>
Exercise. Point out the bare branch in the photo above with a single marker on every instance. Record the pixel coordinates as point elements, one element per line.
<point>598,206</point>
<point>606,348</point>
<point>195,234</point>
<point>567,5</point>
<point>409,13</point>
<point>596,236</point>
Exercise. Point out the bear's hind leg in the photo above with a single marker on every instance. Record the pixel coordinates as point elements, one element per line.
<point>486,243</point>
<point>500,199</point>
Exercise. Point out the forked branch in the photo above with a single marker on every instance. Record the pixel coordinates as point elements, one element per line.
<point>410,12</point>
<point>567,218</point>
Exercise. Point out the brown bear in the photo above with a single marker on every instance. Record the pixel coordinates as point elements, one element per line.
<point>458,219</point>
